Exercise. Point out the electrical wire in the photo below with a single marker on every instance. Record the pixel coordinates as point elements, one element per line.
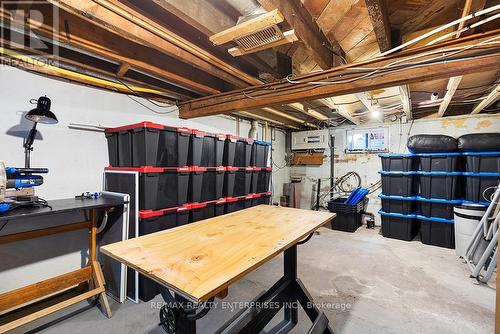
<point>173,108</point>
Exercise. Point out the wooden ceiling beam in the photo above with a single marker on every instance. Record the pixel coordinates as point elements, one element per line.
<point>404,93</point>
<point>489,100</point>
<point>287,92</point>
<point>377,10</point>
<point>126,22</point>
<point>340,110</point>
<point>255,115</point>
<point>451,88</point>
<point>83,35</point>
<point>307,30</point>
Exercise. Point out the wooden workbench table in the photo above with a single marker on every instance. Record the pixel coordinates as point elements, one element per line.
<point>200,260</point>
<point>90,274</point>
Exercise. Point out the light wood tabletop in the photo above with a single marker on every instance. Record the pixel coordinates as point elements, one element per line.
<point>201,259</point>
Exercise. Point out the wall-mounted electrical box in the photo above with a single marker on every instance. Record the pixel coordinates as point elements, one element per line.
<point>310,140</point>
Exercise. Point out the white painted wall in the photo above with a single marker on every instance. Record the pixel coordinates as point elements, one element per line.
<point>76,158</point>
<point>368,165</point>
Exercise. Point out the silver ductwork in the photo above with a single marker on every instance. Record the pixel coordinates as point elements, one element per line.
<point>247,8</point>
<point>253,130</point>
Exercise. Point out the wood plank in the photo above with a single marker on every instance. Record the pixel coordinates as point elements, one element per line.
<point>256,115</point>
<point>492,97</point>
<point>33,292</point>
<point>377,10</point>
<point>5,239</point>
<point>307,30</point>
<point>301,90</point>
<point>49,310</point>
<point>99,282</point>
<point>122,70</point>
<point>249,27</point>
<point>405,94</point>
<point>339,109</point>
<point>122,20</point>
<point>307,159</point>
<point>200,260</point>
<point>451,88</point>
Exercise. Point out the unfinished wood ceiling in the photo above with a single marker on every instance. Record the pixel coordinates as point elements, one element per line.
<point>160,50</point>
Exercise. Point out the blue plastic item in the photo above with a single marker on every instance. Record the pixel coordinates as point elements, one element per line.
<point>481,174</point>
<point>398,215</point>
<point>4,207</point>
<point>434,219</point>
<point>358,197</point>
<point>401,198</point>
<point>440,173</point>
<point>261,142</point>
<point>397,173</point>
<point>438,154</point>
<point>351,195</point>
<point>396,155</point>
<point>480,153</point>
<point>439,200</point>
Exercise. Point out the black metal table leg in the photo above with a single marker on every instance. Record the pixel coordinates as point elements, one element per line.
<point>290,272</point>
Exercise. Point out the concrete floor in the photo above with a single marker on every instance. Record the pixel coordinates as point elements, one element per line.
<point>372,284</point>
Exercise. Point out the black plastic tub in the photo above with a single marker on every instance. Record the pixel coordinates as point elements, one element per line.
<point>263,198</point>
<point>399,226</point>
<point>160,187</point>
<point>482,162</point>
<point>196,183</point>
<point>480,186</point>
<point>212,184</point>
<point>439,162</point>
<point>398,204</point>
<point>399,183</point>
<point>348,217</point>
<point>263,175</point>
<point>112,139</point>
<point>437,208</point>
<point>399,162</point>
<point>260,153</point>
<point>243,152</point>
<point>219,207</point>
<point>213,150</point>
<point>151,222</point>
<point>443,185</point>
<point>437,232</point>
<point>195,147</point>
<point>234,204</point>
<point>229,150</point>
<point>201,211</point>
<point>229,181</point>
<point>150,144</point>
<point>242,181</point>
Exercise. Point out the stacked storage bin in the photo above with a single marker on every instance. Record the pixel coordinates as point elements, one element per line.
<point>399,190</point>
<point>481,176</point>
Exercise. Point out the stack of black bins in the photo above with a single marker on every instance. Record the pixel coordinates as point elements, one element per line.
<point>399,188</point>
<point>481,176</point>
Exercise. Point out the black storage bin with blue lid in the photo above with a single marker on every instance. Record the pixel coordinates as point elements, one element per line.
<point>160,187</point>
<point>438,208</point>
<point>398,204</point>
<point>151,222</point>
<point>444,185</point>
<point>212,184</point>
<point>482,162</point>
<point>229,181</point>
<point>229,150</point>
<point>399,226</point>
<point>349,216</point>
<point>260,153</point>
<point>437,231</point>
<point>243,152</point>
<point>479,187</point>
<point>440,162</point>
<point>399,183</point>
<point>399,162</point>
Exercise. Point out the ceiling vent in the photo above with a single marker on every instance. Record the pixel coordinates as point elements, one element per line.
<point>256,34</point>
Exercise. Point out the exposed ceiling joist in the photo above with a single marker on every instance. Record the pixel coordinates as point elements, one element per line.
<point>302,90</point>
<point>377,10</point>
<point>451,88</point>
<point>288,116</point>
<point>300,107</point>
<point>404,93</point>
<point>267,119</point>
<point>340,109</point>
<point>118,18</point>
<point>122,70</point>
<point>489,100</point>
<point>307,30</point>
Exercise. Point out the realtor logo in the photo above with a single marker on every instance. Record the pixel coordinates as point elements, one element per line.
<point>28,32</point>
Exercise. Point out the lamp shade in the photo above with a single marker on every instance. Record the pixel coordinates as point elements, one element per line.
<point>42,113</point>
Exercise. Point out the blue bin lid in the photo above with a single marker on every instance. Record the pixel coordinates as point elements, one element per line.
<point>434,219</point>
<point>398,215</point>
<point>400,198</point>
<point>482,174</point>
<point>261,142</point>
<point>396,155</point>
<point>438,154</point>
<point>440,173</point>
<point>396,173</point>
<point>439,200</point>
<point>481,153</point>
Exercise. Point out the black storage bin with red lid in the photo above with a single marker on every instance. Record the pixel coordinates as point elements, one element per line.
<point>263,175</point>
<point>212,184</point>
<point>213,150</point>
<point>229,181</point>
<point>201,211</point>
<point>160,187</point>
<point>195,183</point>
<point>243,152</point>
<point>260,153</point>
<point>242,181</point>
<point>229,150</point>
<point>148,144</point>
<point>151,222</point>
